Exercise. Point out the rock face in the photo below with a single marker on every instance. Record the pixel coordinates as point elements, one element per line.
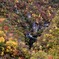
<point>28,15</point>
<point>35,27</point>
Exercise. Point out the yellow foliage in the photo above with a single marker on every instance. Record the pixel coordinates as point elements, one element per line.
<point>41,18</point>
<point>44,39</point>
<point>34,44</point>
<point>48,11</point>
<point>8,47</point>
<point>12,43</point>
<point>7,50</point>
<point>38,38</point>
<point>40,47</point>
<point>29,52</point>
<point>49,14</point>
<point>47,45</point>
<point>15,6</point>
<point>31,3</point>
<point>39,15</point>
<point>15,39</point>
<point>33,51</point>
<point>25,50</point>
<point>56,27</point>
<point>2,48</point>
<point>1,32</point>
<point>37,21</point>
<point>19,58</point>
<point>2,53</point>
<point>49,6</point>
<point>52,10</point>
<point>34,15</point>
<point>50,30</point>
<point>2,39</point>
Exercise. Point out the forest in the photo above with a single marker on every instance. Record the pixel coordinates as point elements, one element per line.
<point>29,29</point>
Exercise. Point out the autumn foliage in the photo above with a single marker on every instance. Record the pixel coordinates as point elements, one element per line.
<point>40,18</point>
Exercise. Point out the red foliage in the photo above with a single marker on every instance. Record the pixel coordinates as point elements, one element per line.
<point>22,4</point>
<point>39,9</point>
<point>44,12</point>
<point>16,35</point>
<point>10,9</point>
<point>18,5</point>
<point>3,0</point>
<point>5,27</point>
<point>50,58</point>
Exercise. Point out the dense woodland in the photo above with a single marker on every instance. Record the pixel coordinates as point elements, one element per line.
<point>29,29</point>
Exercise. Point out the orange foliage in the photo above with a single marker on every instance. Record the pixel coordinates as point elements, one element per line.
<point>2,19</point>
